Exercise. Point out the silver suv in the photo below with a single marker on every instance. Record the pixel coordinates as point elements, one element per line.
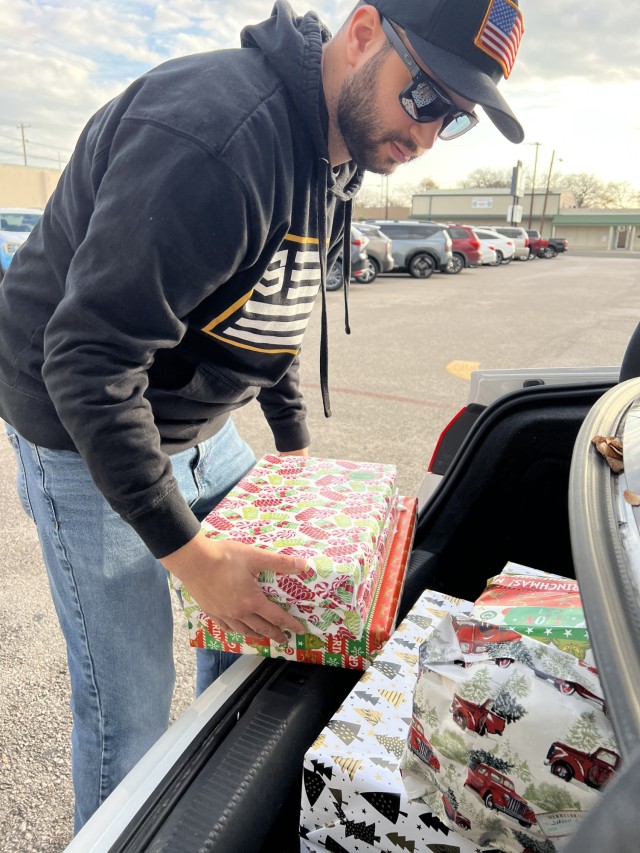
<point>419,246</point>
<point>379,251</point>
<point>520,240</point>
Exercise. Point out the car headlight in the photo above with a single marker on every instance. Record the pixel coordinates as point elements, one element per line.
<point>9,247</point>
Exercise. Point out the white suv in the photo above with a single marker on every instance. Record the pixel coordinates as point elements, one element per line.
<point>520,239</point>
<point>504,246</point>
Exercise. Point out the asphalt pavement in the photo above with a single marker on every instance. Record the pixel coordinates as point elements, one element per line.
<point>395,382</point>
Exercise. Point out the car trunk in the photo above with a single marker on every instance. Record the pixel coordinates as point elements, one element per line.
<point>504,497</point>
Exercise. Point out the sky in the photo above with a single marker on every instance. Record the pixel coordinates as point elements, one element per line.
<point>575,87</point>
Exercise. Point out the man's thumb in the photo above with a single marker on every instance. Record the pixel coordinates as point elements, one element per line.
<point>290,565</point>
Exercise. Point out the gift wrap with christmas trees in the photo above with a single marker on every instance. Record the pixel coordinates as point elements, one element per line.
<point>345,519</point>
<point>353,798</point>
<point>509,739</point>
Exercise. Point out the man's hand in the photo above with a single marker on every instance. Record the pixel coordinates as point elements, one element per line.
<point>222,575</point>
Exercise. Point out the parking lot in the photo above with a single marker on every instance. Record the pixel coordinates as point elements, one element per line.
<point>395,382</point>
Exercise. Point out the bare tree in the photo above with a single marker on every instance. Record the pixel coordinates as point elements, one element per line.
<point>427,184</point>
<point>485,177</point>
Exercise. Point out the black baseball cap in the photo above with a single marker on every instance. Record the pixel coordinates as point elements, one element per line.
<point>469,44</point>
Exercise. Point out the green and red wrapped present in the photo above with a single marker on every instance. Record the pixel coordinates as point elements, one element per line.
<point>340,648</point>
<point>545,607</point>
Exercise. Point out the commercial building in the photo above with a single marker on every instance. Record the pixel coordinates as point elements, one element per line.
<point>586,228</point>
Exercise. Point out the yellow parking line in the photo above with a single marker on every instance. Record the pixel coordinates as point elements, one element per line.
<point>462,369</point>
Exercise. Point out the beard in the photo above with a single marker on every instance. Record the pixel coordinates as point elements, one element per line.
<point>357,118</point>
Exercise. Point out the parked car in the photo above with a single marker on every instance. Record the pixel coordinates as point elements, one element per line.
<point>488,256</point>
<point>419,247</point>
<point>465,248</point>
<point>520,240</point>
<point>16,223</point>
<point>539,245</point>
<point>379,254</point>
<point>359,261</point>
<point>504,246</point>
<point>515,475</point>
<point>548,247</point>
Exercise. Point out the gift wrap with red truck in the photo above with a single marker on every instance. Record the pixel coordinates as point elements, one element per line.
<point>353,797</point>
<point>346,520</point>
<point>509,733</point>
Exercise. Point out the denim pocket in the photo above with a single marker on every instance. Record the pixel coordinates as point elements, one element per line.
<point>21,477</point>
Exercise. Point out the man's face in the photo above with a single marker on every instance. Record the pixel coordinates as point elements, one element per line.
<point>376,130</point>
<point>371,144</point>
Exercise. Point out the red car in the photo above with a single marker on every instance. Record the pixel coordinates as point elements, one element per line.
<point>454,815</point>
<point>497,791</point>
<point>593,768</point>
<point>474,636</point>
<point>465,248</point>
<point>567,688</point>
<point>479,718</point>
<point>419,745</point>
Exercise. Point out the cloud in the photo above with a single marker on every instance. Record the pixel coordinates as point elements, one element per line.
<point>581,40</point>
<point>578,69</point>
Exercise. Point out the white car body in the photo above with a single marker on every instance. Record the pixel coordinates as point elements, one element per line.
<point>500,243</point>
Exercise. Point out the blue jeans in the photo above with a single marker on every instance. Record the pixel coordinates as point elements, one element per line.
<point>113,602</point>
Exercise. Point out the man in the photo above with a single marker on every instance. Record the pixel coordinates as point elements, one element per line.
<point>169,282</point>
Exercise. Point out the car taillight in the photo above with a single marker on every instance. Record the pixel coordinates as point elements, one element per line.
<point>444,432</point>
<point>475,244</point>
<point>493,248</point>
<point>509,242</point>
<point>526,243</point>
<point>358,242</point>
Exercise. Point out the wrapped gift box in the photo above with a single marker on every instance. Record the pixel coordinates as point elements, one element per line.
<point>543,606</point>
<point>337,649</point>
<point>336,514</point>
<point>353,798</point>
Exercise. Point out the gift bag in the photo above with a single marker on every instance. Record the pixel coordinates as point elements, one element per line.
<point>509,739</point>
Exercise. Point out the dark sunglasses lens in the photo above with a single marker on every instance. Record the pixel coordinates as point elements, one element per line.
<point>423,103</point>
<point>457,125</point>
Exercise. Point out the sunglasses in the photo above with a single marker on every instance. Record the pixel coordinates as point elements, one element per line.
<point>423,99</point>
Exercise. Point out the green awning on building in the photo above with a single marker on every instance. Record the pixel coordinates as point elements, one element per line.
<point>597,218</point>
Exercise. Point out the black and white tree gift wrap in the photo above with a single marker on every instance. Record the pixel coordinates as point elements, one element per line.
<point>353,798</point>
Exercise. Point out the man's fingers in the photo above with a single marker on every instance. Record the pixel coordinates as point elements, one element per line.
<point>270,561</point>
<point>274,615</point>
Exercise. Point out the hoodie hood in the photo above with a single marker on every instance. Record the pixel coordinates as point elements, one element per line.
<point>293,45</point>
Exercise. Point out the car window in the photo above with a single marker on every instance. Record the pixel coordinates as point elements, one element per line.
<point>408,231</point>
<point>17,222</point>
<point>607,757</point>
<point>458,233</point>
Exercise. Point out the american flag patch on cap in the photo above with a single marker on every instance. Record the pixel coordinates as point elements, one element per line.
<point>500,33</point>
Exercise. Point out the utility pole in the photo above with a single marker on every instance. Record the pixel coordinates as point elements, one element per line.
<point>533,183</point>
<point>546,192</point>
<point>24,143</point>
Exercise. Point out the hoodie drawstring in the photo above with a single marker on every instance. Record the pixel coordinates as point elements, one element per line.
<point>322,252</point>
<point>346,261</point>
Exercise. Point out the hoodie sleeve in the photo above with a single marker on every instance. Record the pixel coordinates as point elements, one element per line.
<point>285,411</point>
<point>169,226</point>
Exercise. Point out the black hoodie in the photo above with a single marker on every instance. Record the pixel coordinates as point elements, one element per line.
<point>173,272</point>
